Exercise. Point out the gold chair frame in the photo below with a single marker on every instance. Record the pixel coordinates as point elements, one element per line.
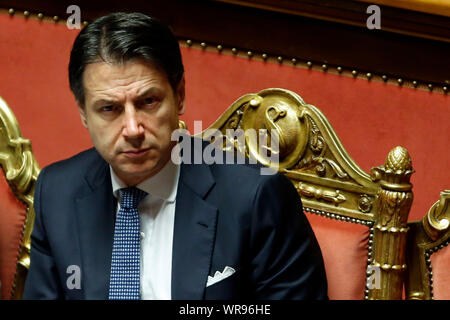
<point>329,182</point>
<point>426,236</point>
<point>21,171</point>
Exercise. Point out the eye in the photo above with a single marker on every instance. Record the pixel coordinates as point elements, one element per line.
<point>149,100</point>
<point>107,108</point>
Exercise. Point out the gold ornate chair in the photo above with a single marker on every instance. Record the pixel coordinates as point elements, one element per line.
<point>360,219</point>
<point>428,253</point>
<point>17,179</point>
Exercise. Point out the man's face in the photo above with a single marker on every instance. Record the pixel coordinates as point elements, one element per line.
<point>131,111</point>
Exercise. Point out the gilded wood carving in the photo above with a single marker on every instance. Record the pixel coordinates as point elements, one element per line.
<point>328,180</point>
<point>21,171</point>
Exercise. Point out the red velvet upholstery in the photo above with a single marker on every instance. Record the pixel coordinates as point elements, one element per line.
<point>440,263</point>
<point>344,249</point>
<point>12,219</point>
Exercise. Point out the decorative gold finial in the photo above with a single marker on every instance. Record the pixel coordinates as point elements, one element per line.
<point>398,160</point>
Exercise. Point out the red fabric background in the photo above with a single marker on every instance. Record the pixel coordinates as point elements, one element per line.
<point>369,117</point>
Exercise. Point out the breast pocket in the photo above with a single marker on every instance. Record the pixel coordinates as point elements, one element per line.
<point>228,288</point>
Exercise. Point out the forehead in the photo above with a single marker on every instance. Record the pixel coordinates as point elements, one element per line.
<point>104,78</point>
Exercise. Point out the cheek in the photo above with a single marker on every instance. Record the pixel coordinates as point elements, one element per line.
<point>103,137</point>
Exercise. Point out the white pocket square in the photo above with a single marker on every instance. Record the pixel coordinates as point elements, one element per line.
<point>219,276</point>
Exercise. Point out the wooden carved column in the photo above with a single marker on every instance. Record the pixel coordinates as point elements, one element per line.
<point>389,233</point>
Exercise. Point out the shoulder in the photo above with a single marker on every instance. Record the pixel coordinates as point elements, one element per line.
<point>74,164</point>
<point>70,172</point>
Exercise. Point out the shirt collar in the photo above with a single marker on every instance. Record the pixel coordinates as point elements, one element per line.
<point>162,185</point>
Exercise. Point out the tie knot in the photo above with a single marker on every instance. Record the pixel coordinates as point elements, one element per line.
<point>130,197</point>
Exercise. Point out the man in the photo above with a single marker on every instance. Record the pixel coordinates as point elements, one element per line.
<point>123,221</point>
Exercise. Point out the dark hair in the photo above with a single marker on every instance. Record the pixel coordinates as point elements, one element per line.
<point>120,37</point>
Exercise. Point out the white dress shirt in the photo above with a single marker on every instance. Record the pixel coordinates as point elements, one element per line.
<point>157,217</point>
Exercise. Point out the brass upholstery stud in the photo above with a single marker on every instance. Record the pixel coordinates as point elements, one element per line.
<point>249,54</point>
<point>430,86</point>
<point>189,42</point>
<point>85,23</point>
<point>384,77</point>
<point>55,18</point>
<point>324,67</point>
<point>234,50</point>
<point>445,89</point>
<point>369,75</point>
<point>264,56</point>
<point>280,59</point>
<point>11,11</point>
<point>219,48</point>
<point>339,69</point>
<point>294,61</point>
<point>309,64</point>
<point>203,45</point>
<point>40,16</point>
<point>354,73</point>
<point>26,13</point>
<point>414,83</point>
<point>400,81</point>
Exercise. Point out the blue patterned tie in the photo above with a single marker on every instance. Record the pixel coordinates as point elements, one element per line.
<point>124,283</point>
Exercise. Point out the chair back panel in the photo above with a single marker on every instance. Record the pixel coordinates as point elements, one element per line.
<point>12,220</point>
<point>428,253</point>
<point>440,262</point>
<point>330,183</point>
<point>344,248</point>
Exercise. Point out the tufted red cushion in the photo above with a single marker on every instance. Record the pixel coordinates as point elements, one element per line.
<point>12,219</point>
<point>344,249</point>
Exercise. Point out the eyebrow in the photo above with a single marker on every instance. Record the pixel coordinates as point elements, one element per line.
<point>146,92</point>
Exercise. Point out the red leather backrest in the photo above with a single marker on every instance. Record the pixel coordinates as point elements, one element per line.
<point>344,249</point>
<point>440,264</point>
<point>12,219</point>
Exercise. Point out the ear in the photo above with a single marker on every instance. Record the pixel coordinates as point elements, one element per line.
<point>82,111</point>
<point>181,96</point>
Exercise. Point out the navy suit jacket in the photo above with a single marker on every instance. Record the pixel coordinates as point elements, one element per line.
<point>226,215</point>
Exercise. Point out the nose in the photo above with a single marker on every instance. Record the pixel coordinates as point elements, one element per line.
<point>132,124</point>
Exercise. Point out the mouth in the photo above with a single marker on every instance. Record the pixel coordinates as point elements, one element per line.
<point>135,153</point>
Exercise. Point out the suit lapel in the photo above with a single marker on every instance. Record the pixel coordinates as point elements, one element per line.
<point>194,233</point>
<point>95,219</point>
